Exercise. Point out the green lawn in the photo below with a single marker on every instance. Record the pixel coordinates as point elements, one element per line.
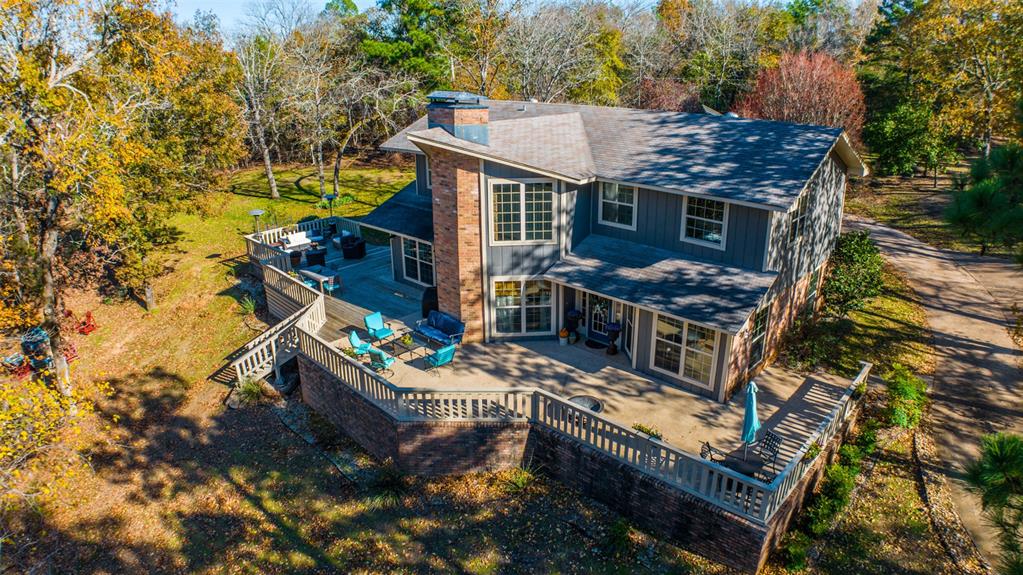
<point>913,205</point>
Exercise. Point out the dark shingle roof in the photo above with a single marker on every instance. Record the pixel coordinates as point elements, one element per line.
<point>712,294</point>
<point>405,213</point>
<point>738,159</point>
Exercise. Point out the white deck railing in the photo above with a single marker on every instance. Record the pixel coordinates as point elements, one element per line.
<point>274,235</point>
<point>708,480</point>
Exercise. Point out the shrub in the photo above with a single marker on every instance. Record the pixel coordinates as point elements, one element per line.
<point>812,452</point>
<point>519,478</point>
<point>809,342</point>
<point>795,547</point>
<point>248,305</point>
<point>326,433</point>
<point>855,276</point>
<point>619,537</point>
<point>251,391</point>
<point>907,397</point>
<point>649,430</point>
<point>388,485</point>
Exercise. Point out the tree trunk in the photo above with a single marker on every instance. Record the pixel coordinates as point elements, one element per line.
<point>268,166</point>
<point>53,303</point>
<point>319,168</point>
<point>989,105</point>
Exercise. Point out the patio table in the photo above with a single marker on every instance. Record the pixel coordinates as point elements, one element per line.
<point>318,278</point>
<point>398,347</point>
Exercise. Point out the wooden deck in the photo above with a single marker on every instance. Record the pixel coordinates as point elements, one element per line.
<point>367,287</point>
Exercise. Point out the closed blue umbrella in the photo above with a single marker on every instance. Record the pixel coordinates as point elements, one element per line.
<point>750,422</point>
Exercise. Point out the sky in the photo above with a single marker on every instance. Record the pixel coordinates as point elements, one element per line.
<point>232,13</point>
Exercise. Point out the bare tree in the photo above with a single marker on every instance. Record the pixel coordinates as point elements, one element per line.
<point>478,50</point>
<point>259,89</point>
<point>549,51</point>
<point>647,51</point>
<point>372,101</point>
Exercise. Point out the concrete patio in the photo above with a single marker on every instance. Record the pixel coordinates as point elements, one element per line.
<point>790,404</point>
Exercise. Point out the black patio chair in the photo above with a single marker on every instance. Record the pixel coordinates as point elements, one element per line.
<point>767,449</point>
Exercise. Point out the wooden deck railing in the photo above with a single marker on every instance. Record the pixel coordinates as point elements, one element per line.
<point>274,235</point>
<point>708,480</point>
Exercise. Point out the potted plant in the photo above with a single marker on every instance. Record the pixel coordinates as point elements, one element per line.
<point>613,330</point>
<point>563,336</point>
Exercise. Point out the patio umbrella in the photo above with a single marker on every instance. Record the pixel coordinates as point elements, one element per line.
<point>750,422</point>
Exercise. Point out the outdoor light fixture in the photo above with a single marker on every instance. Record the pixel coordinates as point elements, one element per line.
<point>255,218</point>
<point>330,202</point>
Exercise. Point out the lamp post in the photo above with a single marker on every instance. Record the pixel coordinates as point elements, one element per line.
<point>330,202</point>
<point>255,218</point>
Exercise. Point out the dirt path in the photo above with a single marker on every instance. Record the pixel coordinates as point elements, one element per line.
<point>978,381</point>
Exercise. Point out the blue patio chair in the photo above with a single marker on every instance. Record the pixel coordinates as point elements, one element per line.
<point>360,347</point>
<point>380,361</point>
<point>376,328</point>
<point>441,357</point>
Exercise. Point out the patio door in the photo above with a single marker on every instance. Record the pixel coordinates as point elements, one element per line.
<point>628,316</point>
<point>601,311</point>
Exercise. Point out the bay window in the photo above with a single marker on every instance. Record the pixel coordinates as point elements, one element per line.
<point>704,221</point>
<point>522,211</point>
<point>523,307</point>
<point>684,350</point>
<point>617,205</point>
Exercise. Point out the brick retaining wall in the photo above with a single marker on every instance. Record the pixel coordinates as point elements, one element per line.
<point>455,447</point>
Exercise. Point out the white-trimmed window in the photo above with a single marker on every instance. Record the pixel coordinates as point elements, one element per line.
<point>417,261</point>
<point>523,306</point>
<point>704,221</point>
<point>811,290</point>
<point>522,211</point>
<point>758,335</point>
<point>617,205</point>
<point>684,350</point>
<point>429,173</point>
<point>798,218</point>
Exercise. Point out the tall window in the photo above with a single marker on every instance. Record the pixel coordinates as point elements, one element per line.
<point>617,205</point>
<point>522,211</point>
<point>418,261</point>
<point>798,218</point>
<point>684,349</point>
<point>704,221</point>
<point>811,290</point>
<point>758,335</point>
<point>429,174</point>
<point>523,306</point>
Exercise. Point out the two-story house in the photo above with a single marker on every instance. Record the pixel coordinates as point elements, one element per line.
<point>700,236</point>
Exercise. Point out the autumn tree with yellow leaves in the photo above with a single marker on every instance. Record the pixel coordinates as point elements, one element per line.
<point>112,118</point>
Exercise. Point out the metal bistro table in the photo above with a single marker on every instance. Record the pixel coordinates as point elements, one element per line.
<point>399,347</point>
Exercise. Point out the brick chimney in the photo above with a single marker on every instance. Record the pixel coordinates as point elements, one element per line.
<point>457,242</point>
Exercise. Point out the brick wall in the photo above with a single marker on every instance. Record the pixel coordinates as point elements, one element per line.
<point>451,116</point>
<point>454,447</point>
<point>420,447</point>
<point>785,307</point>
<point>457,245</point>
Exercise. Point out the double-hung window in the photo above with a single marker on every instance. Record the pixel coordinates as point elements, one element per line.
<point>684,350</point>
<point>522,211</point>
<point>704,221</point>
<point>429,174</point>
<point>417,258</point>
<point>523,306</point>
<point>798,218</point>
<point>617,205</point>
<point>758,335</point>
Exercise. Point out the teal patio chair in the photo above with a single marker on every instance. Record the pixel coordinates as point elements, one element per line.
<point>380,361</point>
<point>441,357</point>
<point>360,347</point>
<point>376,327</point>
